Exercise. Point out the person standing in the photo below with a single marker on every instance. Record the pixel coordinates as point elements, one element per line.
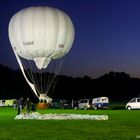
<point>33,107</point>
<point>19,105</point>
<point>15,103</point>
<point>28,105</point>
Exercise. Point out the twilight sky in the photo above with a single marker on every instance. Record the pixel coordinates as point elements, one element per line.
<point>107,35</point>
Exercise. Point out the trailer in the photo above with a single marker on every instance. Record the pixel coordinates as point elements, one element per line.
<point>2,103</point>
<point>8,102</point>
<point>100,102</point>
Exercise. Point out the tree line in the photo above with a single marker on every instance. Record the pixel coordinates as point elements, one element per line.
<point>117,86</point>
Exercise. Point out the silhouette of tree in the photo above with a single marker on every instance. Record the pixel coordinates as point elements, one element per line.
<point>115,85</point>
<point>115,76</point>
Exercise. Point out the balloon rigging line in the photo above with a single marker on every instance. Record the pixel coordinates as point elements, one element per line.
<point>60,65</point>
<point>56,76</point>
<point>49,76</point>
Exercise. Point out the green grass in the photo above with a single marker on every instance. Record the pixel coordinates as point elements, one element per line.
<point>122,125</point>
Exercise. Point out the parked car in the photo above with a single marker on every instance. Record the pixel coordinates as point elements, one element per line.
<point>101,102</point>
<point>61,103</point>
<point>66,104</point>
<point>133,104</point>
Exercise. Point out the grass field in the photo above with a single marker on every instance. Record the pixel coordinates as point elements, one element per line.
<point>122,125</point>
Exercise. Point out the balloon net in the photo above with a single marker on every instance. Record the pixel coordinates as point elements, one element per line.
<point>44,80</point>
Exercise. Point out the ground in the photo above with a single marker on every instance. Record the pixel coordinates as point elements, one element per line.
<point>122,124</point>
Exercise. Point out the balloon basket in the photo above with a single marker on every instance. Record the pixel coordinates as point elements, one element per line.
<point>42,105</point>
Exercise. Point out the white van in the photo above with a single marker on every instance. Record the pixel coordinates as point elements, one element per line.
<point>133,104</point>
<point>84,104</point>
<point>101,102</point>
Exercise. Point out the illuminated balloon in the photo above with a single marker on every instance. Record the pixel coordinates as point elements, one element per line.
<point>40,35</point>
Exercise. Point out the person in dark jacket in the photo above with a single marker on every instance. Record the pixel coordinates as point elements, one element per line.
<point>28,105</point>
<point>19,105</point>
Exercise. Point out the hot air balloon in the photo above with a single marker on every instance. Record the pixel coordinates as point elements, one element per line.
<point>40,38</point>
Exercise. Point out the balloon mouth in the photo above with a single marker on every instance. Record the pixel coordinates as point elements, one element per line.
<point>41,62</point>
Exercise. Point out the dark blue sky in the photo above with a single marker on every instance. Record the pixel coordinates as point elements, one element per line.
<point>107,35</point>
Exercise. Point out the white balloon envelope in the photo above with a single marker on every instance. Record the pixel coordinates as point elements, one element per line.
<point>40,35</point>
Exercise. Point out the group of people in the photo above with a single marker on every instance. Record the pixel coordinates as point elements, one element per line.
<point>27,105</point>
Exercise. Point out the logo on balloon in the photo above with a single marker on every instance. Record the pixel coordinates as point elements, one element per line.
<point>61,46</point>
<point>28,43</point>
